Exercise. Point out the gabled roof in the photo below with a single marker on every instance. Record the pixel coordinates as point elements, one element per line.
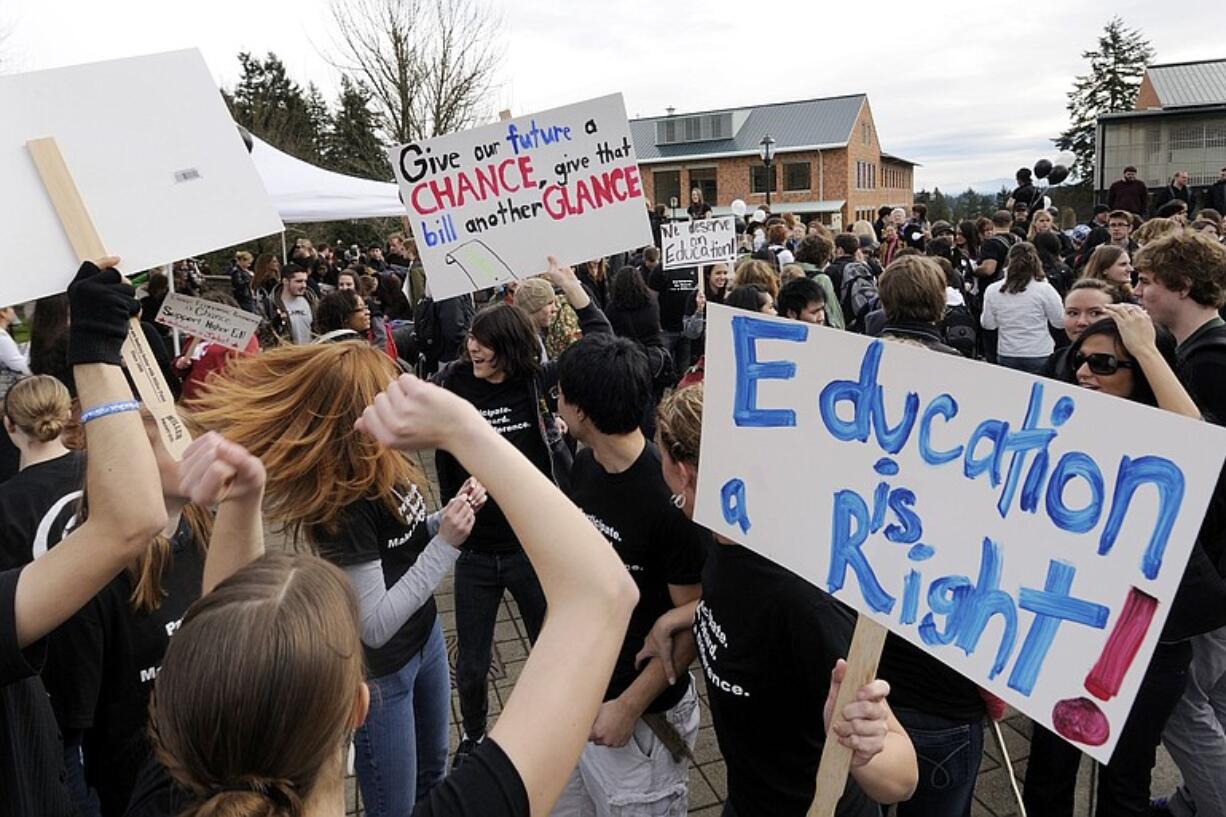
<point>1187,84</point>
<point>811,123</point>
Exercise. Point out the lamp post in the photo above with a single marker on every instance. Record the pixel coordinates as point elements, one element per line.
<point>766,149</point>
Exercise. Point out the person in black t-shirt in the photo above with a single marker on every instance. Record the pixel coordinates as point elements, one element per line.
<point>635,750</point>
<point>36,503</point>
<point>102,662</point>
<point>358,505</point>
<point>272,661</point>
<point>35,599</point>
<point>502,376</point>
<point>699,208</point>
<point>768,640</point>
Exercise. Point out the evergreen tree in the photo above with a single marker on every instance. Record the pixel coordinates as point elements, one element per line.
<point>1111,85</point>
<point>273,107</point>
<point>352,146</point>
<point>319,115</point>
<point>938,206</point>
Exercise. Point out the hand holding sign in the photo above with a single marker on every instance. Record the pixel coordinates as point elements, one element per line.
<point>864,723</point>
<point>100,303</point>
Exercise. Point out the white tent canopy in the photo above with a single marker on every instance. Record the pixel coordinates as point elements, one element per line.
<point>304,193</point>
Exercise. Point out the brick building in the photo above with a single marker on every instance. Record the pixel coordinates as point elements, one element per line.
<point>1178,123</point>
<point>828,161</point>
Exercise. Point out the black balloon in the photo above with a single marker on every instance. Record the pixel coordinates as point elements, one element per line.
<point>1042,168</point>
<point>1058,174</point>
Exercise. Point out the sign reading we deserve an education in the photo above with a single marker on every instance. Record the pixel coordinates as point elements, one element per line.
<point>698,241</point>
<point>1027,533</point>
<point>488,205</point>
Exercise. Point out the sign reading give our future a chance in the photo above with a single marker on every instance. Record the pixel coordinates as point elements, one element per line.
<point>486,206</point>
<point>1029,534</point>
<point>698,241</point>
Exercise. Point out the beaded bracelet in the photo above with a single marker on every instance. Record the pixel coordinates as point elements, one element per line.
<point>107,409</point>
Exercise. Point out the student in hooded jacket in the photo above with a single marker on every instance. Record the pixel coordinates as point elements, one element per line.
<point>772,647</point>
<point>225,671</point>
<point>360,506</point>
<point>37,503</point>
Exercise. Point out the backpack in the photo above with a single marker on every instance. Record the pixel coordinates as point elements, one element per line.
<point>858,296</point>
<point>427,337</point>
<point>960,330</point>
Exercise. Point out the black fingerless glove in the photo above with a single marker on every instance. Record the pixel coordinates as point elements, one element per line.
<point>100,305</point>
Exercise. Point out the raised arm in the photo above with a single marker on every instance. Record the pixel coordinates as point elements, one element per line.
<point>545,724</point>
<point>218,472</point>
<point>121,476</point>
<point>1138,335</point>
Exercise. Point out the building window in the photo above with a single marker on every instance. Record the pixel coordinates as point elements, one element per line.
<point>668,187</point>
<point>866,176</point>
<point>796,176</point>
<point>866,133</point>
<point>704,179</point>
<point>757,178</point>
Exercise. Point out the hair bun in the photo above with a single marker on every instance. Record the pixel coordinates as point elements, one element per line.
<point>47,429</point>
<point>251,797</point>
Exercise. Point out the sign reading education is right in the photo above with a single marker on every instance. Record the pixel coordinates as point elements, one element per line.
<point>1028,533</point>
<point>486,206</point>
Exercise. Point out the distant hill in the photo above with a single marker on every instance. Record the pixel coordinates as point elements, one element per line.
<point>992,186</point>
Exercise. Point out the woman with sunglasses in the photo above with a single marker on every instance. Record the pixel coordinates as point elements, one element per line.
<point>502,375</point>
<point>1126,356</point>
<point>1084,304</point>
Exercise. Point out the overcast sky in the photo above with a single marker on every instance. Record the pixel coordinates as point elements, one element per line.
<point>967,89</point>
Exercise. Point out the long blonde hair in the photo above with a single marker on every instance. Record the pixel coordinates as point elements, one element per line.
<point>294,407</point>
<point>257,690</point>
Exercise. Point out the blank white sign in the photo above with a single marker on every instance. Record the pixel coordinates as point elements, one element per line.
<point>154,153</point>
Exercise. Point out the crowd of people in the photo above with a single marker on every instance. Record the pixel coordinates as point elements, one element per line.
<point>154,660</point>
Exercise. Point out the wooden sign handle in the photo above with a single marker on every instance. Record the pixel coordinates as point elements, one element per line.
<point>866,644</point>
<point>87,244</point>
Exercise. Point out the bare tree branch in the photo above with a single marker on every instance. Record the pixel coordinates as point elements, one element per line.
<point>430,65</point>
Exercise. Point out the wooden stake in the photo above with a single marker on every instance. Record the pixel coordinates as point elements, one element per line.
<point>865,652</point>
<point>88,246</point>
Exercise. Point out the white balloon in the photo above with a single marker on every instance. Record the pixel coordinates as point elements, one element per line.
<point>738,207</point>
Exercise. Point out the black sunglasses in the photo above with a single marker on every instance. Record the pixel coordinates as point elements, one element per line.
<point>1101,363</point>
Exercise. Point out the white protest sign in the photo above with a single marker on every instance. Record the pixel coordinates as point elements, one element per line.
<point>698,241</point>
<point>159,164</point>
<point>1029,534</point>
<point>487,206</point>
<point>230,326</point>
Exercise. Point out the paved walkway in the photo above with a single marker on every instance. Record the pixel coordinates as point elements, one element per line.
<point>994,796</point>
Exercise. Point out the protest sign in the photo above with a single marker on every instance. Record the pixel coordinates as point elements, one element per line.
<point>1027,533</point>
<point>487,206</point>
<point>227,325</point>
<point>698,241</point>
<point>154,154</point>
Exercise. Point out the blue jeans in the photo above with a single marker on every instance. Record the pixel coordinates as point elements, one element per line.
<point>949,753</point>
<point>401,750</point>
<point>480,580</point>
<point>1034,365</point>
